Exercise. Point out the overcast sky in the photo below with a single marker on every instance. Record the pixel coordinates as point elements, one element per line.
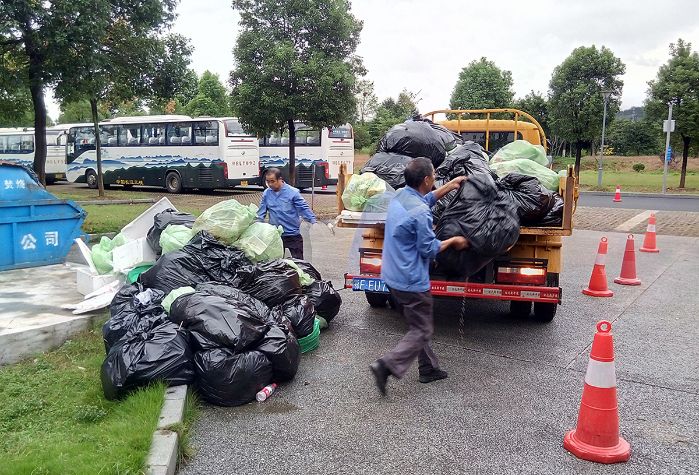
<point>422,45</point>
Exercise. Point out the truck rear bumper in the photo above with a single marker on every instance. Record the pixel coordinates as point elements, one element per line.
<point>527,293</point>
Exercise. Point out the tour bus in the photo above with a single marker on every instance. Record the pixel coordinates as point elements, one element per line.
<point>176,152</point>
<point>326,148</point>
<point>17,145</point>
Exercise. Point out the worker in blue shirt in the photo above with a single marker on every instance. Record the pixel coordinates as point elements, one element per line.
<point>286,207</point>
<point>409,246</point>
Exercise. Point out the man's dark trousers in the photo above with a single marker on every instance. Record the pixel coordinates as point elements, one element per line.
<point>295,245</point>
<point>417,310</point>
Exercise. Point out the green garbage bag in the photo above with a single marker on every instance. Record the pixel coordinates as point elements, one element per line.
<point>521,149</point>
<point>226,220</point>
<point>172,296</point>
<point>303,277</point>
<point>361,188</point>
<point>101,253</point>
<point>261,242</point>
<point>174,237</point>
<point>547,177</point>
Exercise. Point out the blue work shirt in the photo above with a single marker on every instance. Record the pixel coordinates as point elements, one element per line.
<point>285,207</point>
<point>409,241</point>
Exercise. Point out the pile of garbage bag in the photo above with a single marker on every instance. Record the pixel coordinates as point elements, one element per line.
<point>547,177</point>
<point>419,137</point>
<point>360,190</point>
<point>521,149</point>
<point>388,166</point>
<point>164,219</point>
<point>224,314</point>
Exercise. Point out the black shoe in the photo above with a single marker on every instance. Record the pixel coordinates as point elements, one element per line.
<point>434,375</point>
<point>381,374</point>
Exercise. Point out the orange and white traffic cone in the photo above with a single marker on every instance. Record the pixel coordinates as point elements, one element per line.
<point>598,280</point>
<point>596,437</point>
<point>649,238</point>
<point>617,195</point>
<point>628,265</point>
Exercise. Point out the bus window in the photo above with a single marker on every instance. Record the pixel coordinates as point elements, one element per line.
<point>179,133</point>
<point>154,134</point>
<point>20,143</point>
<point>3,144</point>
<point>234,128</point>
<point>343,132</point>
<point>307,136</point>
<point>206,133</point>
<point>108,135</point>
<point>130,135</point>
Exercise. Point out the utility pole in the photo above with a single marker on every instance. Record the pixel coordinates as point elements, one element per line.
<point>669,127</point>
<point>606,95</point>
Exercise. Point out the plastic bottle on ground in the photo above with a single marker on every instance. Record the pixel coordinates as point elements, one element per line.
<point>266,392</point>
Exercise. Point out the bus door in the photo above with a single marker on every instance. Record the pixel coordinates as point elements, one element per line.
<point>339,149</point>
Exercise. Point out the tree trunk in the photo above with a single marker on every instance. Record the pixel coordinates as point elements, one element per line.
<point>98,148</point>
<point>292,152</point>
<point>36,87</point>
<point>685,155</point>
<point>578,155</point>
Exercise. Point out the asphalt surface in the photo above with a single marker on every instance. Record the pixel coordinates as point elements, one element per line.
<point>650,201</point>
<point>514,387</point>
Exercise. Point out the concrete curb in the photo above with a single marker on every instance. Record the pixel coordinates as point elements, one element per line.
<point>116,202</point>
<point>162,457</point>
<point>641,195</point>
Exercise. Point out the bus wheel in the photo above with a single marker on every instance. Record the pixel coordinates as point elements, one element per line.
<point>91,179</point>
<point>173,182</point>
<point>50,180</point>
<point>376,299</point>
<point>520,309</point>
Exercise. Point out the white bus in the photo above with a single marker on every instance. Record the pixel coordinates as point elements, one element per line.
<point>172,151</point>
<point>17,145</point>
<point>327,148</point>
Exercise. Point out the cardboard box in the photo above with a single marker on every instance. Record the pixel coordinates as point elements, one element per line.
<point>89,281</point>
<point>132,254</point>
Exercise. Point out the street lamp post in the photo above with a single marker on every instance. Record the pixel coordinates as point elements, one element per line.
<point>605,94</point>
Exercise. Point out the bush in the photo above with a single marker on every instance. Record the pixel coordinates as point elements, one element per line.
<point>638,167</point>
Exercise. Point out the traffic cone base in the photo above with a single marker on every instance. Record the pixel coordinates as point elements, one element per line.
<point>597,293</point>
<point>619,453</point>
<point>623,281</point>
<point>643,249</point>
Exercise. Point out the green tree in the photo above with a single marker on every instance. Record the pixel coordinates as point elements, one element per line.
<point>295,61</point>
<point>211,99</point>
<point>628,137</point>
<point>367,102</point>
<point>677,83</point>
<point>31,36</point>
<point>535,104</point>
<point>482,85</point>
<point>575,95</point>
<point>391,112</point>
<point>79,112</point>
<point>15,102</point>
<point>101,68</point>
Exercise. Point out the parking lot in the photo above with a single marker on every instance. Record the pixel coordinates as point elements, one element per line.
<point>513,390</point>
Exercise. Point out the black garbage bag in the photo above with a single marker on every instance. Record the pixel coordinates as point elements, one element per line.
<point>483,214</point>
<point>272,282</point>
<point>283,351</point>
<point>204,259</point>
<point>419,138</point>
<point>160,354</point>
<point>325,298</point>
<point>228,379</point>
<point>215,322</point>
<point>163,220</point>
<point>554,217</point>
<point>308,268</point>
<point>465,159</point>
<point>300,311</point>
<point>256,307</point>
<point>133,310</point>
<point>533,200</point>
<point>388,166</point>
<point>442,204</point>
<point>456,265</point>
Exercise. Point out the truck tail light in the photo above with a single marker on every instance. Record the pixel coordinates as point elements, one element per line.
<point>370,264</point>
<point>521,273</point>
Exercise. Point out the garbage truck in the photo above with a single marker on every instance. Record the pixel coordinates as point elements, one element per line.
<point>527,275</point>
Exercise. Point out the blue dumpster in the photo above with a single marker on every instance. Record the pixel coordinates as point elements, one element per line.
<point>36,228</point>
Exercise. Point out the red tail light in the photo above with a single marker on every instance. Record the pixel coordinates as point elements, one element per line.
<point>370,263</point>
<point>224,165</point>
<point>326,167</point>
<point>521,275</point>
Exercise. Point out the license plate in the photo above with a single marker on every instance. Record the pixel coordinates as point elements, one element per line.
<point>369,285</point>
<point>244,183</point>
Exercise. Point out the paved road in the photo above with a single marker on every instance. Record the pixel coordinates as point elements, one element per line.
<point>514,387</point>
<point>684,203</point>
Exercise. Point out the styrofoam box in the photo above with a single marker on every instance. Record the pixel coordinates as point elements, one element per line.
<point>132,254</point>
<point>139,227</point>
<point>88,281</point>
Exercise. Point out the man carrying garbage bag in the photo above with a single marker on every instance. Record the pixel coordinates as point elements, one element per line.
<point>409,246</point>
<point>286,207</point>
